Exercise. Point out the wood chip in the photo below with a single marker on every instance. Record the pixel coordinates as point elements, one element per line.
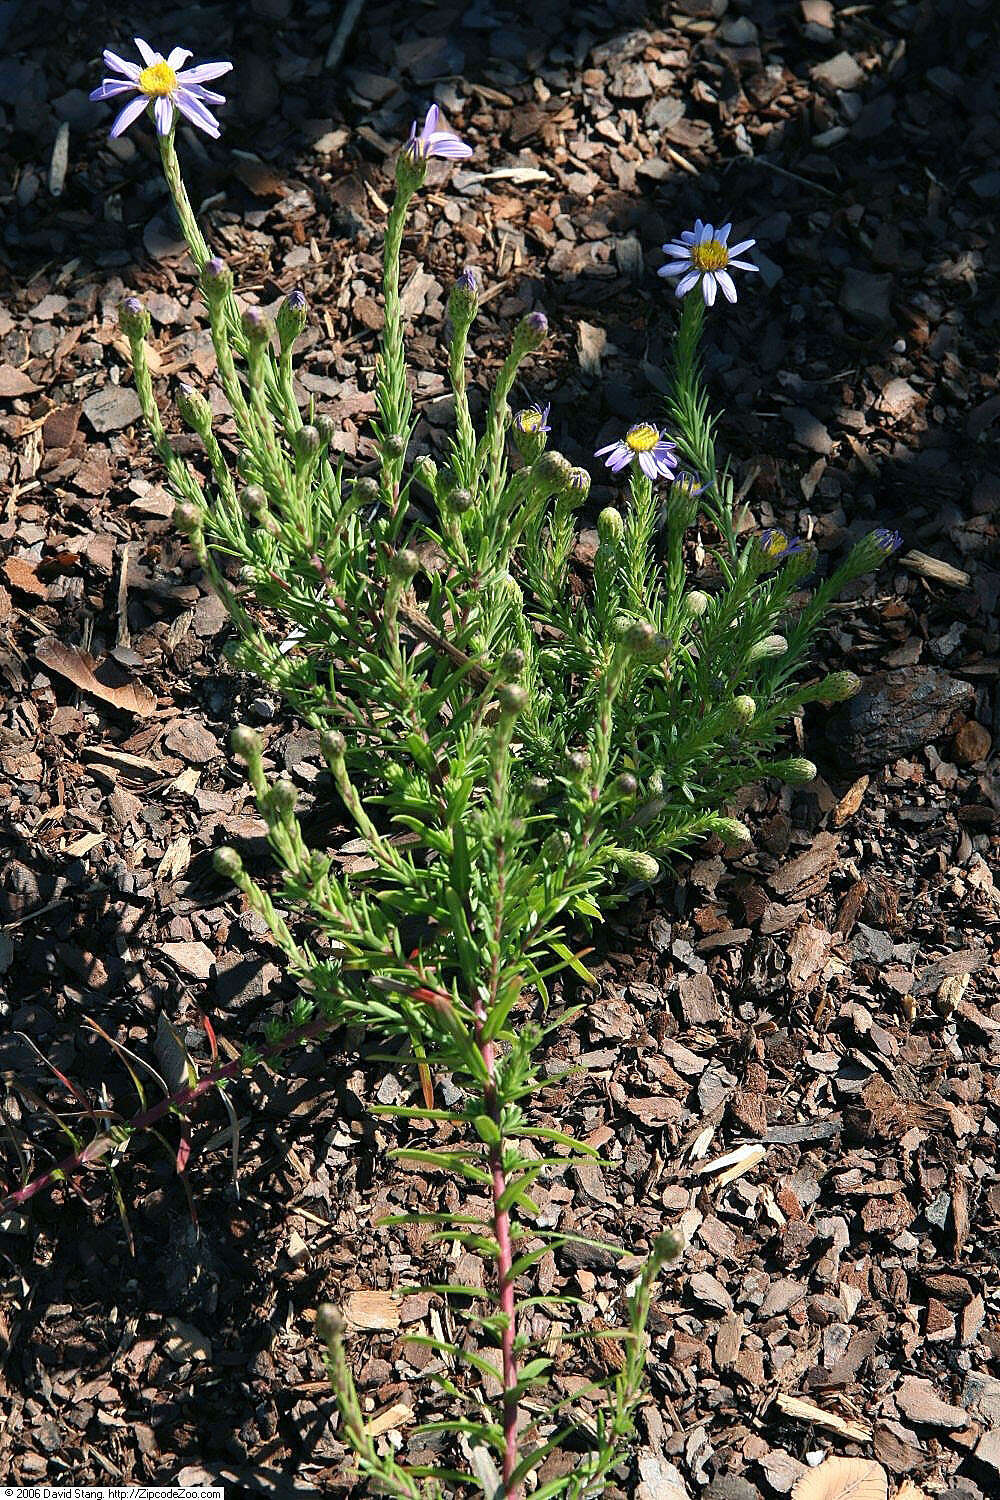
<point>81,669</point>
<point>934,568</point>
<point>373,1310</point>
<point>807,1411</point>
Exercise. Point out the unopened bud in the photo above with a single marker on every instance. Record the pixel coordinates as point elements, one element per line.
<point>667,1246</point>
<point>578,484</point>
<point>330,1323</point>
<point>326,427</point>
<point>460,501</point>
<point>743,709</point>
<point>425,473</point>
<point>254,501</point>
<point>513,698</point>
<point>625,785</point>
<point>639,637</point>
<point>610,526</point>
<point>511,664</point>
<point>245,742</point>
<point>307,442</point>
<point>227,863</point>
<point>187,518</point>
<point>282,798</point>
<point>696,603</point>
<point>332,745</point>
<point>403,565</point>
<point>133,318</point>
<point>796,771</point>
<point>551,472</point>
<point>577,764</point>
<point>530,334</point>
<point>838,687</point>
<point>366,490</point>
<point>290,318</point>
<point>463,302</point>
<point>637,864</point>
<point>767,648</point>
<point>193,407</point>
<point>536,788</point>
<point>393,445</point>
<point>216,279</point>
<point>732,832</point>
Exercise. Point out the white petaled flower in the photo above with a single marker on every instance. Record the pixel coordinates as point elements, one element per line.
<point>166,85</point>
<point>704,254</point>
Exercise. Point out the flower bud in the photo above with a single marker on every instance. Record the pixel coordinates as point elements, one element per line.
<point>743,709</point>
<point>216,280</point>
<point>227,863</point>
<point>625,785</point>
<point>610,526</point>
<point>282,798</point>
<point>463,301</point>
<point>187,518</point>
<point>393,445</point>
<point>254,501</point>
<point>578,483</point>
<point>637,864</point>
<point>256,327</point>
<point>530,429</point>
<point>838,687</point>
<point>330,1323</point>
<point>306,442</point>
<point>332,745</point>
<point>639,637</point>
<point>551,472</point>
<point>536,788</point>
<point>290,318</point>
<point>513,699</point>
<point>511,664</point>
<point>326,427</point>
<point>796,771</point>
<point>765,649</point>
<point>577,764</point>
<point>696,603</point>
<point>245,742</point>
<point>133,319</point>
<point>667,1246</point>
<point>460,501</point>
<point>193,408</point>
<point>732,832</point>
<point>556,846</point>
<point>403,565</point>
<point>425,473</point>
<point>529,334</point>
<point>365,490</point>
<point>872,550</point>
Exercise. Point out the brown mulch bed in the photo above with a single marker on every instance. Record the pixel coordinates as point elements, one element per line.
<point>827,1006</point>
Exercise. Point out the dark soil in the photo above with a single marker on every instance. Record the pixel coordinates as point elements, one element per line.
<point>828,1005</point>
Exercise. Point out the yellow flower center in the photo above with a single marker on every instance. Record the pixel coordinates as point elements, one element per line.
<point>642,437</point>
<point>158,81</point>
<point>776,544</point>
<point>711,256</point>
<point>529,420</point>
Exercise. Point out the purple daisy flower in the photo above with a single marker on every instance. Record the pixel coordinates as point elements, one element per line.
<point>531,419</point>
<point>430,141</point>
<point>656,455</point>
<point>704,254</point>
<point>161,85</point>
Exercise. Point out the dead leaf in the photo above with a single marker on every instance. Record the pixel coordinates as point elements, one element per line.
<point>843,1479</point>
<point>850,802</point>
<point>81,669</point>
<point>591,342</point>
<point>372,1310</point>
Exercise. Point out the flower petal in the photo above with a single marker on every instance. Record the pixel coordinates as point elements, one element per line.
<point>608,448</point>
<point>706,233</point>
<point>722,234</point>
<point>128,115</point>
<point>431,120</point>
<point>621,462</point>
<point>687,282</point>
<point>676,247</point>
<point>743,265</point>
<point>689,237</point>
<point>195,111</point>
<point>119,65</point>
<point>146,52</point>
<point>739,249</point>
<point>178,56</point>
<point>709,288</point>
<point>443,143</point>
<point>204,72</point>
<point>674,268</point>
<point>728,286</point>
<point>205,95</point>
<point>163,114</point>
<point>699,225</point>
<point>112,86</point>
<point>647,463</point>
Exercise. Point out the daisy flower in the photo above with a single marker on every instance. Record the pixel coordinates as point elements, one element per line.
<point>656,455</point>
<point>161,85</point>
<point>704,254</point>
<point>430,141</point>
<point>533,419</point>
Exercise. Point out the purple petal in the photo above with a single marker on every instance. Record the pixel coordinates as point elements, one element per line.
<point>744,265</point>
<point>699,225</point>
<point>128,116</point>
<point>178,56</point>
<point>688,237</point>
<point>722,234</point>
<point>112,86</point>
<point>431,121</point>
<point>621,462</point>
<point>443,143</point>
<point>647,463</point>
<point>204,72</point>
<point>674,268</point>
<point>195,111</point>
<point>205,95</point>
<point>726,282</point>
<point>163,114</point>
<point>706,234</point>
<point>676,247</point>
<point>739,249</point>
<point>146,52</point>
<point>709,288</point>
<point>608,447</point>
<point>666,467</point>
<point>687,282</point>
<point>119,65</point>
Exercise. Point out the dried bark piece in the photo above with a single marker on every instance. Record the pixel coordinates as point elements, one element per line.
<point>374,1310</point>
<point>807,1411</point>
<point>896,713</point>
<point>919,1401</point>
<point>844,1479</point>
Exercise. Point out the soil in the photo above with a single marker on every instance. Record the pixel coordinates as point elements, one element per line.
<point>826,1007</point>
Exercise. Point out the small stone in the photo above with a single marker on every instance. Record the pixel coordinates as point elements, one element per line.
<point>866,297</point>
<point>698,999</point>
<point>740,32</point>
<point>840,72</point>
<point>112,408</point>
<point>972,743</point>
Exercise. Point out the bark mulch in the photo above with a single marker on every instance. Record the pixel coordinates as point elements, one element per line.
<point>793,1055</point>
